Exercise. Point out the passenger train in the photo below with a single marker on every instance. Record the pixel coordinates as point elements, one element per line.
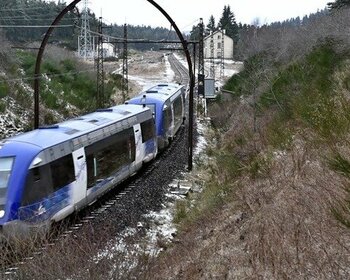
<point>49,173</point>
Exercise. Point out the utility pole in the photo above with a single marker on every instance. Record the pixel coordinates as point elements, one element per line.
<point>85,44</point>
<point>201,59</point>
<point>100,101</point>
<point>125,78</point>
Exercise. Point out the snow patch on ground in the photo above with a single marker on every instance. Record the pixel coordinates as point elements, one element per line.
<point>162,228</point>
<point>147,82</point>
<point>201,141</point>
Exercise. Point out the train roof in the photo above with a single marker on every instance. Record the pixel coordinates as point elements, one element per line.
<point>48,136</point>
<point>161,92</point>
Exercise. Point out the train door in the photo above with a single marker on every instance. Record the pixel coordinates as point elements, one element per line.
<point>79,186</point>
<point>138,146</point>
<point>173,122</point>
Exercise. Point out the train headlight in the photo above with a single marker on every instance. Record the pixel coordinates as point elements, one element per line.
<point>2,213</point>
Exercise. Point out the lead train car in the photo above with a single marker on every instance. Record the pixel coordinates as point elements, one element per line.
<point>167,102</point>
<point>48,173</point>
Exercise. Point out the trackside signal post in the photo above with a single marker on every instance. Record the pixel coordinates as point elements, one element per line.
<point>201,59</point>
<point>69,8</point>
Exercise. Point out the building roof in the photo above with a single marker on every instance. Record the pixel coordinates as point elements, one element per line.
<point>216,32</point>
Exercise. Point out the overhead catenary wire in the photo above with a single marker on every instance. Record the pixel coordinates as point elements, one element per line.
<point>119,38</point>
<point>190,24</point>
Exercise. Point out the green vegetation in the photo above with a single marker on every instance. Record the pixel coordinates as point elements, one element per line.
<point>301,93</point>
<point>4,88</point>
<point>302,99</point>
<point>245,82</point>
<point>2,106</point>
<point>216,191</point>
<point>65,83</point>
<point>340,164</point>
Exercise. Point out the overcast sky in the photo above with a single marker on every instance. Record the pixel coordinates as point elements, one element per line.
<point>186,13</point>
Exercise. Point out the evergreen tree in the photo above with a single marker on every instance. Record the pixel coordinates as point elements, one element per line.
<point>195,32</point>
<point>338,4</point>
<point>211,27</point>
<point>228,22</point>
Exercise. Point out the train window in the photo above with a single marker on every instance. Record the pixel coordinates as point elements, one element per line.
<point>36,174</point>
<point>147,129</point>
<point>62,171</point>
<point>178,110</point>
<point>38,185</point>
<point>91,170</point>
<point>5,171</point>
<point>167,119</point>
<point>108,155</point>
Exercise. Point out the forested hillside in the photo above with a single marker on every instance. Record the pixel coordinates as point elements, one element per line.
<point>21,21</point>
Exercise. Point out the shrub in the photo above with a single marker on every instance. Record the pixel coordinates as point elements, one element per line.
<point>4,89</point>
<point>2,106</point>
<point>340,164</point>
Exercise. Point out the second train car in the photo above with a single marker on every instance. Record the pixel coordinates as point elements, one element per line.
<point>167,102</point>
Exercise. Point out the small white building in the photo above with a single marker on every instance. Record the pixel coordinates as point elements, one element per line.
<point>218,43</point>
<point>108,50</point>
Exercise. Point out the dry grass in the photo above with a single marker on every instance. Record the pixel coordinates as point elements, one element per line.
<point>277,227</point>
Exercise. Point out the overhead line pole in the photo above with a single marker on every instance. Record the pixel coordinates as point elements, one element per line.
<point>70,7</point>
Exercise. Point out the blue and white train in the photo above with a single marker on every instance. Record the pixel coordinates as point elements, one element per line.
<point>167,102</point>
<point>48,173</point>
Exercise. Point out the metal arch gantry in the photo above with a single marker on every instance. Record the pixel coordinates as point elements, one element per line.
<point>39,57</point>
<point>72,6</point>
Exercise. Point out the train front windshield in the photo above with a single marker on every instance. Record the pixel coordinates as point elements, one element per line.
<point>5,171</point>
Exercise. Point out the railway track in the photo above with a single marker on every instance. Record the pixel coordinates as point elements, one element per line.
<point>181,72</point>
<point>122,207</point>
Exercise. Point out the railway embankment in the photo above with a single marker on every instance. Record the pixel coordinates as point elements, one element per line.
<point>275,196</point>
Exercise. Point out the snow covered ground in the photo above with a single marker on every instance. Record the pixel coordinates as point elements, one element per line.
<point>147,82</point>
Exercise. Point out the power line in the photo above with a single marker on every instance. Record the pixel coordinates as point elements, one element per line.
<point>121,40</point>
<point>29,18</point>
<point>36,26</point>
<point>10,17</point>
<point>22,9</point>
